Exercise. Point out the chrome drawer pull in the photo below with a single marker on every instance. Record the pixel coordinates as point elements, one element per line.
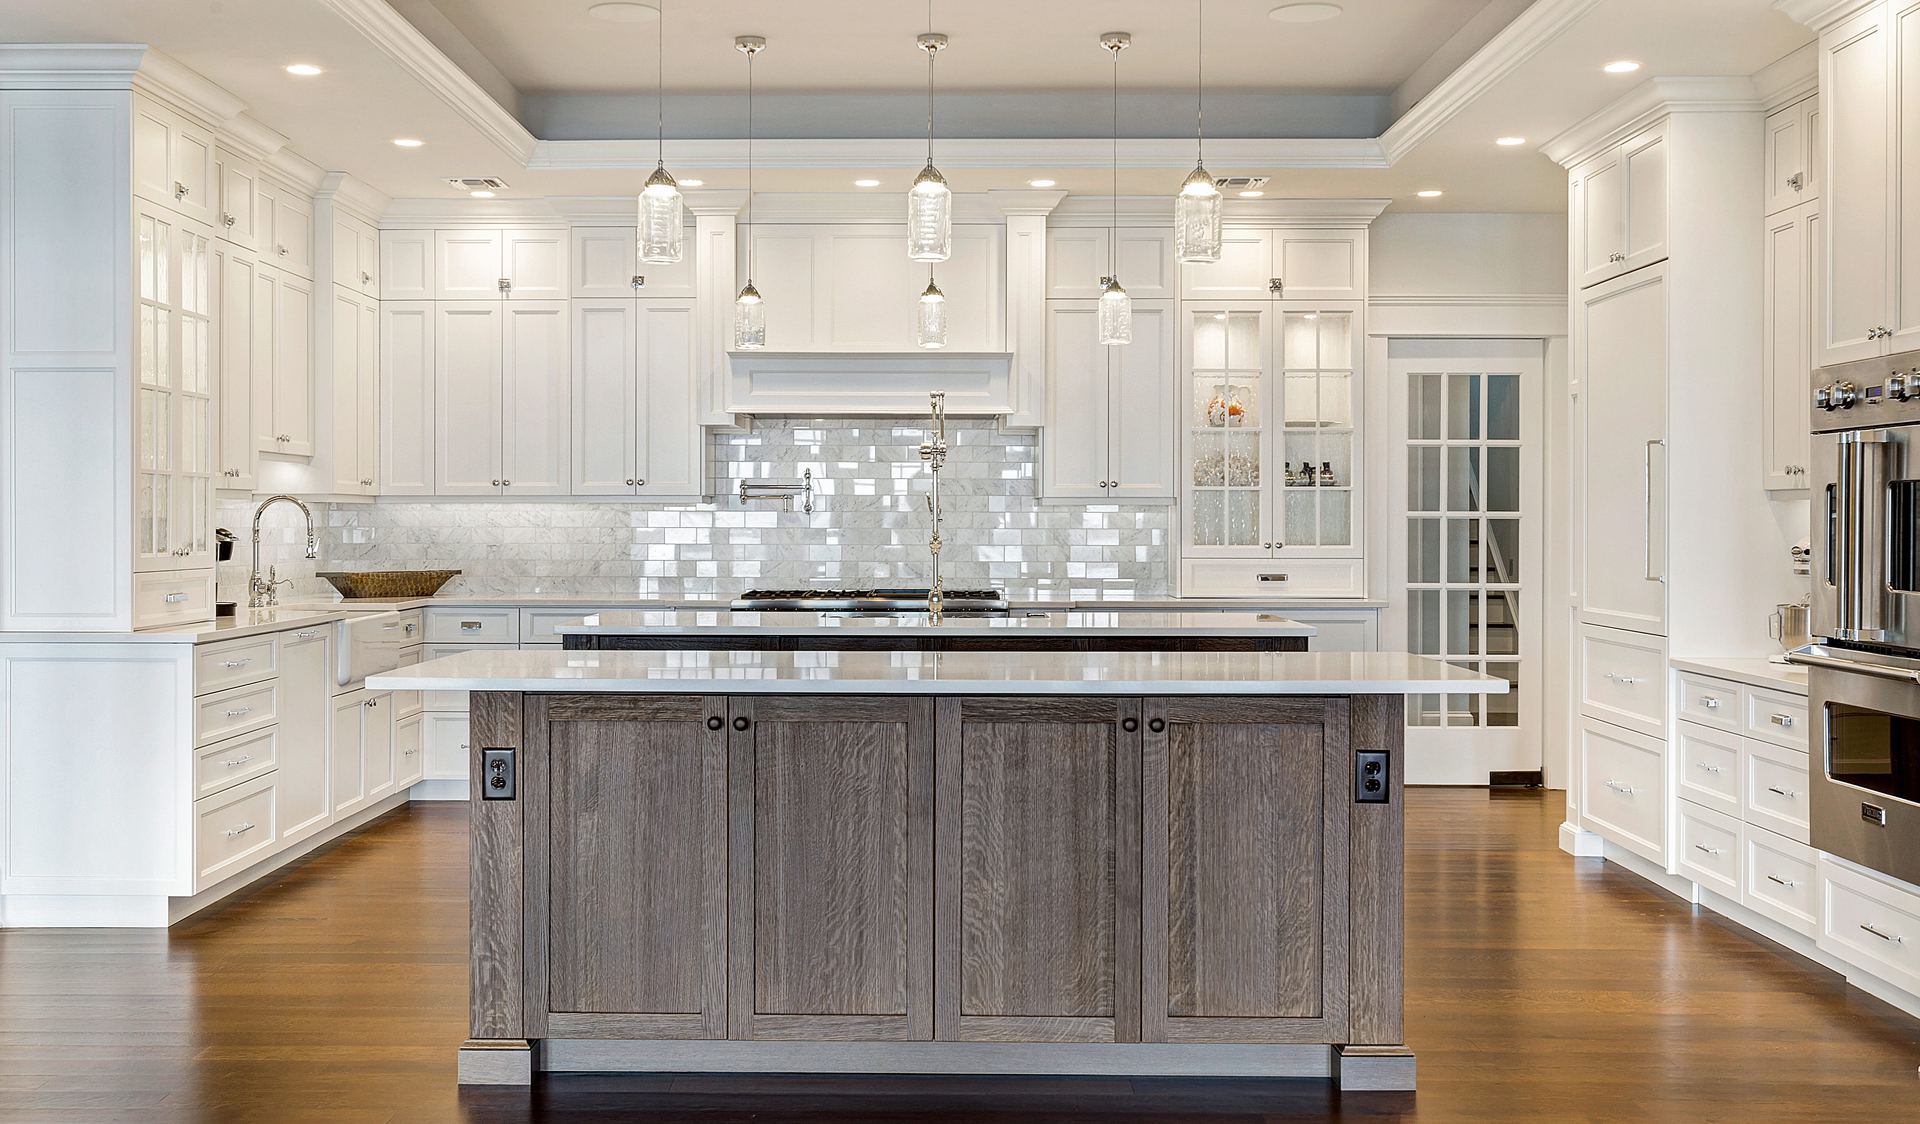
<point>306,636</point>
<point>1786,792</point>
<point>1709,702</point>
<point>470,626</point>
<point>1707,849</point>
<point>1627,679</point>
<point>1619,786</point>
<point>238,761</point>
<point>1783,881</point>
<point>174,598</point>
<point>1273,577</point>
<point>241,830</point>
<point>1783,721</point>
<point>1894,937</point>
<point>1707,767</point>
<point>236,663</point>
<point>411,752</point>
<point>238,713</point>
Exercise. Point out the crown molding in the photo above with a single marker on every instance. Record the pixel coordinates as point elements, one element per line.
<point>725,204</point>
<point>69,66</point>
<point>1468,300</point>
<point>1519,41</point>
<point>416,214</point>
<point>963,153</point>
<point>416,54</point>
<point>1819,14</point>
<point>1026,202</point>
<point>355,196</point>
<point>250,138</point>
<point>166,80</point>
<point>1645,104</point>
<point>1099,210</point>
<point>1788,78</point>
<point>294,170</point>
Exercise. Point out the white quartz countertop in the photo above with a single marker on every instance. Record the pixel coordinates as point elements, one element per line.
<point>942,673</point>
<point>1124,622</point>
<point>1752,672</point>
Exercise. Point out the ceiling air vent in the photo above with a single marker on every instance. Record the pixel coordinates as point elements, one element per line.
<point>1240,183</point>
<point>476,183</point>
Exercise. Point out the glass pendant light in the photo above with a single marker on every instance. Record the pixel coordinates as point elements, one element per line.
<point>749,311</point>
<point>1196,210</point>
<point>1116,307</point>
<point>931,323</point>
<point>929,202</point>
<point>660,204</point>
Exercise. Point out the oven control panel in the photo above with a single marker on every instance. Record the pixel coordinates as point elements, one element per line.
<point>1867,395</point>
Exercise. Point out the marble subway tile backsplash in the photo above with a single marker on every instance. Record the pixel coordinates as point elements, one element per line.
<point>869,527</point>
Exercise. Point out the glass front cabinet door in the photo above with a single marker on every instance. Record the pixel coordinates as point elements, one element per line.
<point>1271,396</point>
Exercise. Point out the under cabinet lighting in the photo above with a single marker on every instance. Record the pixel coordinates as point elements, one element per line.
<point>304,70</point>
<point>1621,67</point>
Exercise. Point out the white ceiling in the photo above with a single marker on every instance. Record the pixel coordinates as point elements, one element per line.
<point>346,118</point>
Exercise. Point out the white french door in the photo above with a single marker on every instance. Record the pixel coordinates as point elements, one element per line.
<point>1464,535</point>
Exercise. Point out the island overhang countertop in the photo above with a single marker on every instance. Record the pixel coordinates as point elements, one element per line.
<point>941,673</point>
<point>1123,622</point>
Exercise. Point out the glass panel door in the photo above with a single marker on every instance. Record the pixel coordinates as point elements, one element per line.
<point>1317,365</point>
<point>1227,423</point>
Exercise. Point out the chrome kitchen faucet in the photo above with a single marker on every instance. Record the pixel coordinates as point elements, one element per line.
<point>262,592</point>
<point>934,451</point>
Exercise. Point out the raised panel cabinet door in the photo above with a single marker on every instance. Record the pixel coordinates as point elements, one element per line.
<point>831,872</point>
<point>376,745</point>
<point>409,750</point>
<point>1073,444</point>
<point>369,243</point>
<point>466,438</point>
<point>534,263</point>
<point>667,458</point>
<point>1037,870</point>
<point>345,417</point>
<point>406,398</point>
<point>1856,61</point>
<point>153,129</point>
<point>1144,415</point>
<point>1622,474</point>
<point>604,261</point>
<point>1786,157</point>
<point>1322,265</point>
<point>1077,258</point>
<point>1601,227</point>
<point>1786,355</point>
<point>293,233</point>
<point>236,280</point>
<point>1147,268</point>
<point>195,190</point>
<point>292,413</point>
<point>636,878</point>
<point>604,397</point>
<point>1246,267</point>
<point>1904,291</point>
<point>1244,847</point>
<point>467,264</point>
<point>300,790</point>
<point>1646,160</point>
<point>237,221</point>
<point>407,265</point>
<point>534,395</point>
<point>347,768</point>
<point>346,252</point>
<point>368,369</point>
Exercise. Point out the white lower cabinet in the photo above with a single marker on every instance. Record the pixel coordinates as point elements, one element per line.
<point>233,829</point>
<point>409,750</point>
<point>1623,679</point>
<point>1779,880</point>
<point>1622,776</point>
<point>1870,921</point>
<point>362,768</point>
<point>301,791</point>
<point>1709,768</point>
<point>222,765</point>
<point>446,745</point>
<point>1774,788</point>
<point>1709,848</point>
<point>376,745</point>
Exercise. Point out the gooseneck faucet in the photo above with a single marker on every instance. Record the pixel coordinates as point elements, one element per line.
<point>262,592</point>
<point>934,451</point>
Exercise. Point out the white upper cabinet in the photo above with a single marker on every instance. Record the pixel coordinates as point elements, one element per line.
<point>176,289</point>
<point>635,432</point>
<point>467,397</point>
<point>670,445</point>
<point>1793,155</point>
<point>467,264</point>
<point>851,288</point>
<point>533,386</point>
<point>1857,61</point>
<point>356,387</point>
<point>407,423</point>
<point>173,161</point>
<point>1078,257</point>
<point>1141,387</point>
<point>356,255</point>
<point>235,277</point>
<point>1622,334</point>
<point>239,180</point>
<point>494,263</point>
<point>407,265</point>
<point>286,229</point>
<point>1624,223</point>
<point>1786,354</point>
<point>604,409</point>
<point>1263,264</point>
<point>1109,435</point>
<point>283,361</point>
<point>605,263</point>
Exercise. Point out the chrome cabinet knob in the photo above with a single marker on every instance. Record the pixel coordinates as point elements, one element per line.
<point>181,190</point>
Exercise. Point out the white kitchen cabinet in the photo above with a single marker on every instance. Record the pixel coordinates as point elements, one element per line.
<point>233,829</point>
<point>356,392</point>
<point>1320,264</point>
<point>286,233</point>
<point>1623,470</point>
<point>636,432</point>
<point>605,262</point>
<point>175,295</point>
<point>356,256</point>
<point>1623,225</point>
<point>173,161</point>
<point>239,179</point>
<point>514,263</point>
<point>1786,356</point>
<point>407,421</point>
<point>1078,258</point>
<point>1110,434</point>
<point>1621,780</point>
<point>237,462</point>
<point>409,751</point>
<point>467,345</point>
<point>1793,155</point>
<point>851,287</point>
<point>301,791</point>
<point>446,736</point>
<point>361,760</point>
<point>407,269</point>
<point>283,361</point>
<point>501,397</point>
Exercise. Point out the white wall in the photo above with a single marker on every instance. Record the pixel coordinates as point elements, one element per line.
<point>1431,255</point>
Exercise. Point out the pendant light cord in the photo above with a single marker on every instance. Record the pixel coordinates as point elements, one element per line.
<point>931,51</point>
<point>750,55</point>
<point>660,86</point>
<point>1113,237</point>
<point>1199,82</point>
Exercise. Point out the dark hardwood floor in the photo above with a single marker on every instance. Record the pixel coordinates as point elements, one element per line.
<point>1540,988</point>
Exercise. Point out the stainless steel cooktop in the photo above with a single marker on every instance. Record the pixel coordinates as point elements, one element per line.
<point>896,600</point>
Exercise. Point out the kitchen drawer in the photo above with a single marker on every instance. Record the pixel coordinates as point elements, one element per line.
<point>224,764</point>
<point>235,711</point>
<point>1774,788</point>
<point>536,625</point>
<point>1623,787</point>
<point>1780,881</point>
<point>451,700</point>
<point>233,829</point>
<point>1870,923</point>
<point>409,750</point>
<point>1777,717</point>
<point>407,703</point>
<point>1714,702</point>
<point>235,662</point>
<point>445,738</point>
<point>1623,679</point>
<point>1709,849</point>
<point>473,626</point>
<point>172,597</point>
<point>1709,767</point>
<point>1307,577</point>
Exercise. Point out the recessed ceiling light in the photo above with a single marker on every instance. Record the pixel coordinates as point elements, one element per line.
<point>481,194</point>
<point>1621,67</point>
<point>1304,13</point>
<point>1251,194</point>
<point>866,183</point>
<point>304,70</point>
<point>693,183</point>
<point>1040,183</point>
<point>1427,194</point>
<point>1511,141</point>
<point>624,13</point>
<point>408,142</point>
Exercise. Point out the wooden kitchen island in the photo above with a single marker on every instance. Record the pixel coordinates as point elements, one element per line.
<point>921,862</point>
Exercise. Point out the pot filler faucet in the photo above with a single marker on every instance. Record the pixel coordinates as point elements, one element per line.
<point>934,451</point>
<point>262,592</point>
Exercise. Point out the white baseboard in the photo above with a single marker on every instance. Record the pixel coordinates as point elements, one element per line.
<point>1580,843</point>
<point>440,790</point>
<point>83,911</point>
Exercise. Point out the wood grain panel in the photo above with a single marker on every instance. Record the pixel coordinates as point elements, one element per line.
<point>990,1028</point>
<point>1376,853</point>
<point>638,868</point>
<point>626,708</point>
<point>833,1028</point>
<point>495,966</point>
<point>530,792</point>
<point>582,1024</point>
<point>1153,870</point>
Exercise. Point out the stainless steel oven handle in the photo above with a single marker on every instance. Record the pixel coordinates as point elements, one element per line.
<point>1877,671</point>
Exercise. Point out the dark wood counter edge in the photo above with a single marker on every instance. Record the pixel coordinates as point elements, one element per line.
<point>585,642</point>
<point>1370,934</point>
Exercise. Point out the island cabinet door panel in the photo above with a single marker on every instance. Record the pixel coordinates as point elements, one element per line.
<point>1244,870</point>
<point>832,868</point>
<point>1037,870</point>
<point>636,799</point>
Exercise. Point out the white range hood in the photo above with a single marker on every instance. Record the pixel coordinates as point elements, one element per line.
<point>833,383</point>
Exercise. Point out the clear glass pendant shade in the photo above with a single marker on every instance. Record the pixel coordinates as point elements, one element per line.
<point>660,218</point>
<point>930,322</point>
<point>1196,219</point>
<point>929,217</point>
<point>749,320</point>
<point>1116,313</point>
